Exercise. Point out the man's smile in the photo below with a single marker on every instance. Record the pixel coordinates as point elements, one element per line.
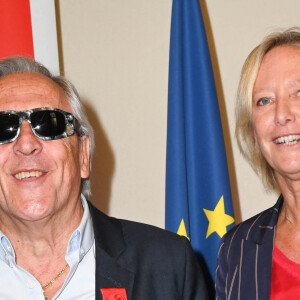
<point>24,175</point>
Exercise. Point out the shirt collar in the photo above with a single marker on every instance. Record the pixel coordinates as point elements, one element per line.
<point>82,238</point>
<point>7,253</point>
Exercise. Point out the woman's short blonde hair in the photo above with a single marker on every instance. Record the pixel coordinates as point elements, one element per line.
<point>244,127</point>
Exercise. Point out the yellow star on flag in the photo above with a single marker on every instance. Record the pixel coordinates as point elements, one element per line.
<point>217,219</point>
<point>182,229</point>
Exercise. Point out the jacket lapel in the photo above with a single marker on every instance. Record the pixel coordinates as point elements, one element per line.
<point>109,274</point>
<point>110,245</point>
<point>258,249</point>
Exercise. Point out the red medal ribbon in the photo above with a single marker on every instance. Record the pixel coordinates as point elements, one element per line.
<point>114,294</point>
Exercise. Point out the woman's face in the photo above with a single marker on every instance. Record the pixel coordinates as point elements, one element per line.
<point>276,110</point>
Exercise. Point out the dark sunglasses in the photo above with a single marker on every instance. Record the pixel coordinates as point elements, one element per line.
<point>47,123</point>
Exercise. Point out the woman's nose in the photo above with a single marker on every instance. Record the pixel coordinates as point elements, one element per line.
<point>284,111</point>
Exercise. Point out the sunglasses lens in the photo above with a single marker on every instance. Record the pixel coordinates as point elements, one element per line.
<point>9,124</point>
<point>48,123</point>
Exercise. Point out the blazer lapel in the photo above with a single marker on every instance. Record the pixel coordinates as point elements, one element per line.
<point>109,274</point>
<point>256,267</point>
<point>110,245</point>
<point>258,249</point>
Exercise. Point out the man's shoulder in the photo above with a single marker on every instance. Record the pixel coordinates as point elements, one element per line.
<point>150,236</point>
<point>163,262</point>
<point>137,235</point>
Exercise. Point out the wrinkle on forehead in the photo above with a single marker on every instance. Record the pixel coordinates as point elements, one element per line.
<point>25,81</point>
<point>281,63</point>
<point>33,86</point>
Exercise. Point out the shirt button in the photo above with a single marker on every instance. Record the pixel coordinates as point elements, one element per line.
<point>31,284</point>
<point>8,247</point>
<point>82,250</point>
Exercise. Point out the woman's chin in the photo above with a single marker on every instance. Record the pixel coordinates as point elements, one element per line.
<point>288,172</point>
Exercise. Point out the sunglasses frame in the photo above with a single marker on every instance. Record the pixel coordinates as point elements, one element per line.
<point>70,121</point>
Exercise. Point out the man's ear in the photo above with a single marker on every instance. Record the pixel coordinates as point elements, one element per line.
<point>84,156</point>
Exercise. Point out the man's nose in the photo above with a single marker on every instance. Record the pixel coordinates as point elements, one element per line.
<point>27,143</point>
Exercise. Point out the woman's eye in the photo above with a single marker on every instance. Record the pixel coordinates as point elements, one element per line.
<point>298,93</point>
<point>264,101</point>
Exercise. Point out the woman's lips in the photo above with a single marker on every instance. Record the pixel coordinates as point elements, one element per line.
<point>288,139</point>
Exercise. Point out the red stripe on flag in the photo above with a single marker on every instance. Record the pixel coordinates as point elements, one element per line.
<point>15,28</point>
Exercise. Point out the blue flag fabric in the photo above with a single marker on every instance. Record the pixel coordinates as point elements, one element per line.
<point>198,195</point>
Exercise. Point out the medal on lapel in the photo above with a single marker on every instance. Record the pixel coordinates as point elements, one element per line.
<point>114,294</point>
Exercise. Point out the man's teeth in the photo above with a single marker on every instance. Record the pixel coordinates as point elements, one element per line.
<point>23,175</point>
<point>288,140</point>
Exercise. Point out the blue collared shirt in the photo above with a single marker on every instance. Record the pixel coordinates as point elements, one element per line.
<point>17,283</point>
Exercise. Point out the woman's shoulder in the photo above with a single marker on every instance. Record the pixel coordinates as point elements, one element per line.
<point>254,226</point>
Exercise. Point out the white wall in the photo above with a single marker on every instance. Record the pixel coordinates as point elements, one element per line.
<point>116,53</point>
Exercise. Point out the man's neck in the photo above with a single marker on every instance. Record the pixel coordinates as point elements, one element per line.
<point>46,237</point>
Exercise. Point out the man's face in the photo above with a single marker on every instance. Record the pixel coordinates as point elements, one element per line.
<point>53,168</point>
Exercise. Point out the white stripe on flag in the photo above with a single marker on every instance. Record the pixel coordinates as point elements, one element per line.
<point>44,34</point>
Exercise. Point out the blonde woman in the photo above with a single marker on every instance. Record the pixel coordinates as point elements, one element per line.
<point>260,258</point>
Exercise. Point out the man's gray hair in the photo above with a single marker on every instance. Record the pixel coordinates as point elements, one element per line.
<point>21,64</point>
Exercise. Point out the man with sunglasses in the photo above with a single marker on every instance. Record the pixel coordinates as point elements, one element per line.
<point>53,243</point>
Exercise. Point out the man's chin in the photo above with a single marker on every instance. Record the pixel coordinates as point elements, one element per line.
<point>31,211</point>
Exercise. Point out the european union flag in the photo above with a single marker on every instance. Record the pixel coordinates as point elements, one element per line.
<point>198,195</point>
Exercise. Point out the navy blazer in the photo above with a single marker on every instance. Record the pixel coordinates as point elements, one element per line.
<point>150,263</point>
<point>244,264</point>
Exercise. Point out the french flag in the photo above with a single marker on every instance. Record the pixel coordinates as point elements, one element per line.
<point>28,27</point>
